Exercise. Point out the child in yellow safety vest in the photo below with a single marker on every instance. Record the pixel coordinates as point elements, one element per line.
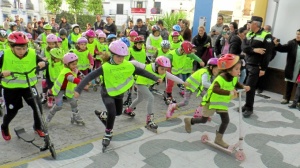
<point>92,43</point>
<point>117,77</point>
<point>102,48</point>
<point>132,35</point>
<point>52,71</point>
<point>137,52</point>
<point>175,43</point>
<point>199,82</point>
<point>3,41</point>
<point>64,43</point>
<point>51,43</point>
<point>159,68</point>
<point>42,38</point>
<point>65,84</point>
<point>164,49</point>
<point>176,28</point>
<point>85,59</point>
<point>153,42</point>
<point>19,59</point>
<point>127,42</point>
<point>30,43</point>
<point>179,58</point>
<point>74,35</point>
<point>219,95</point>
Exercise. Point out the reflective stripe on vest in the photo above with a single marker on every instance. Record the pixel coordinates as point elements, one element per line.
<point>154,43</point>
<point>258,37</point>
<point>139,56</point>
<point>195,80</point>
<point>118,78</point>
<point>178,62</point>
<point>69,92</point>
<point>145,81</point>
<point>83,59</point>
<point>14,64</point>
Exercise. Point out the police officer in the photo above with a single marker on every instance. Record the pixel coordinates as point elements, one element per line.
<point>258,47</point>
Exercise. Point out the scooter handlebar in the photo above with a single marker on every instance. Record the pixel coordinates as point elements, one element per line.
<point>241,90</point>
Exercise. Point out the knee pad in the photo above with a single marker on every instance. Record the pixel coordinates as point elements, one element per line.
<point>44,84</point>
<point>73,104</point>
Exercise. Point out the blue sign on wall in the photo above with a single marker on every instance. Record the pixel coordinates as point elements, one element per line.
<point>202,15</point>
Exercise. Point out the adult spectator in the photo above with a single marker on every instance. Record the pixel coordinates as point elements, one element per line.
<point>202,42</point>
<point>129,28</point>
<point>258,47</point>
<point>40,28</point>
<point>179,21</point>
<point>99,24</point>
<point>110,27</point>
<point>235,47</point>
<point>22,23</point>
<point>43,21</point>
<point>186,32</point>
<point>141,29</point>
<point>19,26</point>
<point>6,23</point>
<point>163,31</point>
<point>29,29</point>
<point>292,66</point>
<point>221,40</point>
<point>54,24</point>
<point>64,24</point>
<point>216,30</point>
<point>16,17</point>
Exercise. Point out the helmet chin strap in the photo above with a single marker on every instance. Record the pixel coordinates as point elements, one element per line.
<point>156,68</point>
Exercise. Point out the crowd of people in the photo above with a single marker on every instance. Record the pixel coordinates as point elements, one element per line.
<point>214,65</point>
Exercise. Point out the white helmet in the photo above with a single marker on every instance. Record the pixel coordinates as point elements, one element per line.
<point>3,33</point>
<point>74,26</point>
<point>165,44</point>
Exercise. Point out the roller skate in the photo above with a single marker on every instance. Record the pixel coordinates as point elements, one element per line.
<point>150,124</point>
<point>172,107</point>
<point>198,113</point>
<point>128,100</point>
<point>50,102</point>
<point>129,112</point>
<point>76,118</point>
<point>168,98</point>
<point>44,98</point>
<point>181,92</point>
<point>102,115</point>
<point>106,139</point>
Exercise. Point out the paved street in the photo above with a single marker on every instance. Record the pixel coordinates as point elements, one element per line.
<point>271,138</point>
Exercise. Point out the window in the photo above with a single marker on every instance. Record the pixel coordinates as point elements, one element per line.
<point>120,9</point>
<point>157,5</point>
<point>139,4</point>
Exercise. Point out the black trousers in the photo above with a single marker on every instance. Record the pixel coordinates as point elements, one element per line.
<point>13,102</point>
<point>224,118</point>
<point>114,108</point>
<point>288,90</point>
<point>252,79</point>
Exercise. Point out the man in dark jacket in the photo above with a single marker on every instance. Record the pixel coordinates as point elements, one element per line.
<point>99,24</point>
<point>141,29</point>
<point>110,27</point>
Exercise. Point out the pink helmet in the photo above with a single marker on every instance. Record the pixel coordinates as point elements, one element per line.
<point>69,57</point>
<point>51,38</point>
<point>175,34</point>
<point>103,35</point>
<point>163,61</point>
<point>133,33</point>
<point>29,36</point>
<point>98,31</point>
<point>83,34</point>
<point>90,33</point>
<point>118,47</point>
<point>59,39</point>
<point>212,61</point>
<point>82,40</point>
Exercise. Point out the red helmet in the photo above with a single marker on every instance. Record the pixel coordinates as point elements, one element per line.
<point>175,34</point>
<point>139,39</point>
<point>227,61</point>
<point>133,34</point>
<point>187,47</point>
<point>17,37</point>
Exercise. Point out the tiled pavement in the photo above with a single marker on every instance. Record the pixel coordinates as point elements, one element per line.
<point>271,140</point>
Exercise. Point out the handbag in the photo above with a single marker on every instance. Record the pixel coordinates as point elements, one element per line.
<point>208,54</point>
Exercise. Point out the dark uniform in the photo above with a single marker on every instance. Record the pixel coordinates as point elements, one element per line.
<point>255,62</point>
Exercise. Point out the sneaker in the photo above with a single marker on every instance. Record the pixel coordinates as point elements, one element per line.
<point>293,105</point>
<point>129,111</point>
<point>172,107</point>
<point>285,101</point>
<point>247,113</point>
<point>5,134</point>
<point>259,91</point>
<point>39,132</point>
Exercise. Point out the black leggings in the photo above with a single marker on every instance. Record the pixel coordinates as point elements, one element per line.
<point>114,108</point>
<point>223,126</point>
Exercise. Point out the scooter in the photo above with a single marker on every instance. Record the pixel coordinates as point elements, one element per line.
<point>21,133</point>
<point>236,148</point>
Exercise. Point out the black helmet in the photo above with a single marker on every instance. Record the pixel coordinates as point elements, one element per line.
<point>63,31</point>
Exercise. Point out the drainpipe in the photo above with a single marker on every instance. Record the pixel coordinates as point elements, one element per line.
<point>275,15</point>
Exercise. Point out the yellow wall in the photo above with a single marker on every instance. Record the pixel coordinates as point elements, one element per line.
<point>260,9</point>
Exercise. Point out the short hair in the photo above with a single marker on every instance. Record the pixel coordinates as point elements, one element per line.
<point>160,22</point>
<point>235,25</point>
<point>108,17</point>
<point>258,23</point>
<point>241,30</point>
<point>201,27</point>
<point>269,27</point>
<point>139,20</point>
<point>221,16</point>
<point>225,26</point>
<point>179,20</point>
<point>131,21</point>
<point>298,30</point>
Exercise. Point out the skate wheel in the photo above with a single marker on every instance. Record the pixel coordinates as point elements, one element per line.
<point>52,151</point>
<point>240,155</point>
<point>204,138</point>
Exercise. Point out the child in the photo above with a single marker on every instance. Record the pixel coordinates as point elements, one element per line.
<point>59,41</point>
<point>85,59</point>
<point>178,58</point>
<point>64,85</point>
<point>201,81</point>
<point>74,36</point>
<point>137,52</point>
<point>127,42</point>
<point>30,43</point>
<point>12,28</point>
<point>3,41</point>
<point>153,41</point>
<point>132,35</point>
<point>219,95</point>
<point>159,69</point>
<point>175,43</point>
<point>53,70</point>
<point>176,28</point>
<point>117,78</point>
<point>164,48</point>
<point>110,38</point>
<point>64,44</point>
<point>42,38</point>
<point>102,48</point>
<point>92,43</point>
<point>18,58</point>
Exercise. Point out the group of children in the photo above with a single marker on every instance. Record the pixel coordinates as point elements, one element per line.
<point>118,64</point>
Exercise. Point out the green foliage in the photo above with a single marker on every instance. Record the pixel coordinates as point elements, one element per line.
<point>169,19</point>
<point>82,20</point>
<point>95,6</point>
<point>76,7</point>
<point>53,5</point>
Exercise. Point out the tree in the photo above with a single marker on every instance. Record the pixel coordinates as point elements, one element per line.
<point>53,5</point>
<point>95,6</point>
<point>76,7</point>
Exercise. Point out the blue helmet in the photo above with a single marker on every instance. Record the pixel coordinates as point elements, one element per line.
<point>126,41</point>
<point>177,28</point>
<point>111,36</point>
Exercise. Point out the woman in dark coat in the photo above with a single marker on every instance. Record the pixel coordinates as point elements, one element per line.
<point>291,71</point>
<point>202,43</point>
